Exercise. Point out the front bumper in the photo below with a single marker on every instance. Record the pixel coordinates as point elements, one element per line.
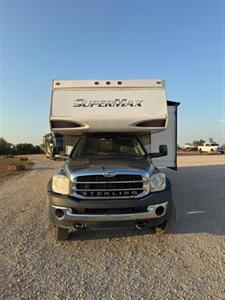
<point>69,215</point>
<point>72,211</point>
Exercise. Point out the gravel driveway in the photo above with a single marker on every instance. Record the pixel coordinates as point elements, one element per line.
<point>187,264</point>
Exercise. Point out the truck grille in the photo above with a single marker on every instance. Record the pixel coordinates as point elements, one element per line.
<point>119,186</point>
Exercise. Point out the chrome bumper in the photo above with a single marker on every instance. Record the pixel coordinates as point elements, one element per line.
<point>69,215</point>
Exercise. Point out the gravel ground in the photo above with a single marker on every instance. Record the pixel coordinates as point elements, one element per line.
<point>186,264</point>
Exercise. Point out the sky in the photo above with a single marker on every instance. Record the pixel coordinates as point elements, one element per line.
<point>179,41</point>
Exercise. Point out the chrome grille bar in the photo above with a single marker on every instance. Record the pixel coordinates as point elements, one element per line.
<point>112,188</point>
<point>86,190</point>
<point>105,182</point>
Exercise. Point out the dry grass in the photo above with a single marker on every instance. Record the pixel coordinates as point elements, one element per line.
<point>11,165</point>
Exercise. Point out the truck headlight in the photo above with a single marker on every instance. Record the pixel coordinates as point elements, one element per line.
<point>157,182</point>
<point>61,184</point>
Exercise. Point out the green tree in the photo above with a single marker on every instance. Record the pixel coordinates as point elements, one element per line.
<point>27,148</point>
<point>38,149</point>
<point>21,148</point>
<point>211,140</point>
<point>200,142</point>
<point>5,147</point>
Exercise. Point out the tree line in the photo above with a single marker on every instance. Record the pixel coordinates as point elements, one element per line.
<point>200,142</point>
<point>7,148</point>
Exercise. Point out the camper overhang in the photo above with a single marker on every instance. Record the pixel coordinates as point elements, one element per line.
<point>80,106</point>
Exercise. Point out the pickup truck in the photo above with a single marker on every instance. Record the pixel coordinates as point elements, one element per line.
<point>189,147</point>
<point>210,148</point>
<point>110,181</point>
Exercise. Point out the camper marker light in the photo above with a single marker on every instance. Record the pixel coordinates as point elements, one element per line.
<point>61,184</point>
<point>157,182</point>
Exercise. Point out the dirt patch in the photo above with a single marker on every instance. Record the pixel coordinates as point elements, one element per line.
<point>200,160</point>
<point>188,152</point>
<point>129,264</point>
<point>13,165</point>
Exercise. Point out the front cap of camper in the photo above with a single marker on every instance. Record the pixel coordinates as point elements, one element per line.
<point>80,106</point>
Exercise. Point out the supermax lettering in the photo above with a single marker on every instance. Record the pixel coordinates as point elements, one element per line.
<point>107,103</point>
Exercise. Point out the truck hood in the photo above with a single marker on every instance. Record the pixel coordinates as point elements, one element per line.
<point>108,163</point>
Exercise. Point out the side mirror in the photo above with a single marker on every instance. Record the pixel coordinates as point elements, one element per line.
<point>162,152</point>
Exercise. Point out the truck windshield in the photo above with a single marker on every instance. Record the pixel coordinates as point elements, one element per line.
<point>214,144</point>
<point>108,146</point>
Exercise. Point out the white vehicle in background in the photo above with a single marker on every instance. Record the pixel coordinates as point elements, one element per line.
<point>210,148</point>
<point>189,147</point>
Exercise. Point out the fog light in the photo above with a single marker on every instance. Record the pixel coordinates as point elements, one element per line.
<point>59,213</point>
<point>159,211</point>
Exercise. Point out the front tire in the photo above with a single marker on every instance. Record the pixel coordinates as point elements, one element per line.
<point>62,234</point>
<point>169,223</point>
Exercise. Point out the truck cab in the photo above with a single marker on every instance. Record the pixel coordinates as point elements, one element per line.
<point>112,177</point>
<point>211,148</point>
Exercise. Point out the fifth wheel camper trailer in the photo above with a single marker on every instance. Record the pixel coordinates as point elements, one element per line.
<point>116,135</point>
<point>53,144</point>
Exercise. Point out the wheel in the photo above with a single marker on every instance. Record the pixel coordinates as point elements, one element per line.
<point>169,223</point>
<point>62,234</point>
<point>200,150</point>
